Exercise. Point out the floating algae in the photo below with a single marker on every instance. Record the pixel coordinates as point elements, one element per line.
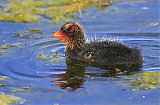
<point>54,58</point>
<point>57,10</point>
<point>3,78</point>
<point>7,46</point>
<point>3,48</point>
<point>7,99</point>
<point>41,57</point>
<point>145,80</point>
<point>30,34</point>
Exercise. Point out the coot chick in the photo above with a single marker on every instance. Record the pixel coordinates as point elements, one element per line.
<point>103,54</point>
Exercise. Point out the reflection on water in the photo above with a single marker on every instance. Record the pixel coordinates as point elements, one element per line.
<point>76,74</point>
<point>73,78</point>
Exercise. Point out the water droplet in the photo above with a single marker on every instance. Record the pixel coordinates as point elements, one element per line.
<point>145,8</point>
<point>143,96</point>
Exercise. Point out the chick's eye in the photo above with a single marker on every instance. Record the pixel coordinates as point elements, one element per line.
<point>64,30</point>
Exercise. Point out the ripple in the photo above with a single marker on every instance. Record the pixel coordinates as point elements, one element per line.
<point>152,69</point>
<point>27,66</point>
<point>52,73</point>
<point>55,45</point>
<point>43,42</point>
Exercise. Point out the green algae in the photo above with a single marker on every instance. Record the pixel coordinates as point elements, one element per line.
<point>7,46</point>
<point>41,57</point>
<point>53,58</point>
<point>4,48</point>
<point>36,31</point>
<point>7,99</point>
<point>57,10</point>
<point>3,78</point>
<point>30,33</point>
<point>145,80</point>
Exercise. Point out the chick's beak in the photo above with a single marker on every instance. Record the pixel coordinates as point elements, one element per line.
<point>58,34</point>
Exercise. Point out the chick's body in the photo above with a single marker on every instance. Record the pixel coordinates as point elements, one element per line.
<point>105,54</point>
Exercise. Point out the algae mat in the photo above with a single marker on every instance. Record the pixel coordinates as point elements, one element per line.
<point>7,99</point>
<point>55,11</point>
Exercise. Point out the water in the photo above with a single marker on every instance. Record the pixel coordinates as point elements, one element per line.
<point>38,72</point>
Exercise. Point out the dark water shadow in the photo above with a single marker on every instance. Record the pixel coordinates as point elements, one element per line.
<point>76,74</point>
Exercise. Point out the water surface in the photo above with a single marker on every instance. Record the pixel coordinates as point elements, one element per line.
<point>37,68</point>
